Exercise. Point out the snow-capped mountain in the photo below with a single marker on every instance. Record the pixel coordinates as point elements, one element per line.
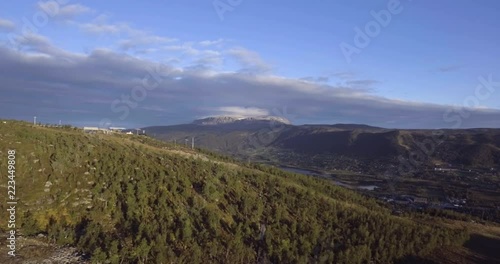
<point>220,120</point>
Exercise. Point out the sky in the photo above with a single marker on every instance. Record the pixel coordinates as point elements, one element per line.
<point>388,63</point>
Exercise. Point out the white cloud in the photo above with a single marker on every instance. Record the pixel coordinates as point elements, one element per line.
<point>211,42</point>
<point>41,46</point>
<point>144,41</point>
<point>139,41</point>
<point>74,10</point>
<point>347,75</point>
<point>210,60</point>
<point>100,28</point>
<point>237,111</point>
<point>249,60</point>
<point>186,48</point>
<point>7,25</point>
<point>54,9</point>
<point>41,71</point>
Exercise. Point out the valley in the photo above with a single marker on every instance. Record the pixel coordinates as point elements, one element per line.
<point>456,170</point>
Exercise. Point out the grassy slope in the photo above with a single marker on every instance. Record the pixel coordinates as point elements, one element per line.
<point>482,247</point>
<point>69,178</point>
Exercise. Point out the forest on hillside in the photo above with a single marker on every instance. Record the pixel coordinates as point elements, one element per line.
<point>133,199</point>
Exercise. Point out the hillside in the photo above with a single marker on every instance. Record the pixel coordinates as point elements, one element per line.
<point>132,199</point>
<point>224,135</point>
<point>331,147</point>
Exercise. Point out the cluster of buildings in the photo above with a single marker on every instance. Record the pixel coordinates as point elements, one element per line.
<point>405,199</point>
<point>93,130</point>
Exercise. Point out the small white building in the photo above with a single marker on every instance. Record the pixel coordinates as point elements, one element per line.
<point>96,130</point>
<point>117,129</point>
<point>90,129</point>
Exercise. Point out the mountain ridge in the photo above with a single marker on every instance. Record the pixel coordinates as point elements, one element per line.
<point>221,120</point>
<point>298,144</point>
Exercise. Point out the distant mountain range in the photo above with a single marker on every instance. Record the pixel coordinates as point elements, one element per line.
<point>339,146</point>
<point>220,120</point>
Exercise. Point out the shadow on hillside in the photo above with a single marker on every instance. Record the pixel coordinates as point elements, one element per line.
<point>414,260</point>
<point>486,246</point>
<point>478,249</point>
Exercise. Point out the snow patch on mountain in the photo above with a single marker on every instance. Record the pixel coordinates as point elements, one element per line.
<point>220,120</point>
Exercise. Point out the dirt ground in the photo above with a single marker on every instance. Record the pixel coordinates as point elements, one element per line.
<point>37,251</point>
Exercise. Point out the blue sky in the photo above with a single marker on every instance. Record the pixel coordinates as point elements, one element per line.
<point>255,58</point>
